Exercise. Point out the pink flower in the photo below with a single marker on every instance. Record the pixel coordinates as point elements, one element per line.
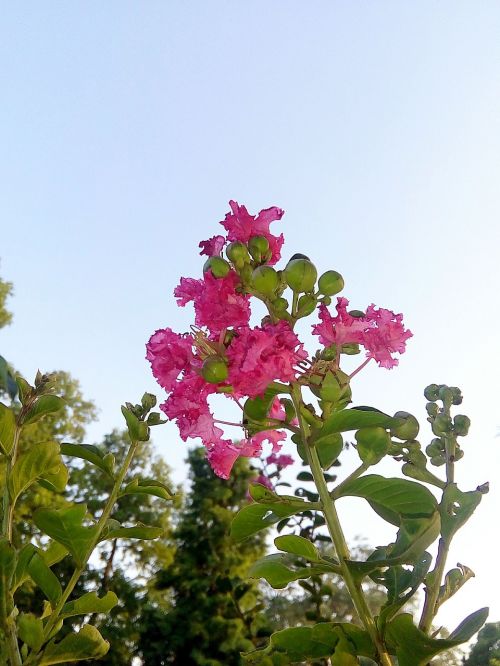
<point>274,437</point>
<point>258,356</point>
<point>280,460</point>
<point>241,226</point>
<point>385,336</point>
<point>277,410</point>
<point>169,355</point>
<point>213,246</point>
<point>188,406</point>
<point>217,304</point>
<point>341,329</point>
<point>222,455</point>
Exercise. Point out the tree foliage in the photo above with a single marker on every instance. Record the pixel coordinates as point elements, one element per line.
<point>486,650</point>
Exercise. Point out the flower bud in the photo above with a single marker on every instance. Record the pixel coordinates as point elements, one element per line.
<point>456,395</point>
<point>435,448</point>
<point>357,314</point>
<point>218,267</point>
<point>461,425</point>
<point>280,305</point>
<point>334,387</point>
<point>350,348</point>
<point>409,427</point>
<point>373,444</point>
<point>265,280</point>
<point>437,461</point>
<point>330,283</point>
<point>300,275</point>
<point>431,392</point>
<point>441,424</point>
<point>326,300</point>
<point>329,353</point>
<point>214,370</point>
<point>258,246</point>
<point>306,305</point>
<point>237,253</point>
<point>432,408</point>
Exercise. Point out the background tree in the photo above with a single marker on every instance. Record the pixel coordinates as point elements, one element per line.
<point>214,614</point>
<point>486,650</point>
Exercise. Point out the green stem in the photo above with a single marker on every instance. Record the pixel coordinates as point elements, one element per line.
<point>52,621</point>
<point>338,538</point>
<point>337,492</point>
<point>432,593</point>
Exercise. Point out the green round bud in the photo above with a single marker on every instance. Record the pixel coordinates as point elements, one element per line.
<point>265,280</point>
<point>214,370</point>
<point>435,448</point>
<point>445,394</point>
<point>306,305</point>
<point>330,283</point>
<point>326,300</point>
<point>217,266</point>
<point>334,387</point>
<point>409,427</point>
<point>356,313</point>
<point>461,425</point>
<point>431,392</point>
<point>329,353</point>
<point>457,395</point>
<point>237,253</point>
<point>280,304</point>
<point>373,443</point>
<point>437,461</point>
<point>350,348</point>
<point>441,424</point>
<point>432,408</point>
<point>258,246</point>
<point>300,275</point>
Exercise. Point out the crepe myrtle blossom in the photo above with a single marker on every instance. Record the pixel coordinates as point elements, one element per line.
<point>213,246</point>
<point>381,332</point>
<point>281,460</point>
<point>241,226</point>
<point>217,304</point>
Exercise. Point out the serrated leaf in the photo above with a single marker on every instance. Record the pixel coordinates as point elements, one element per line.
<point>66,527</point>
<point>297,545</point>
<point>30,630</point>
<point>7,429</point>
<point>44,405</point>
<point>37,462</point>
<point>45,578</point>
<point>148,487</point>
<point>92,454</point>
<point>415,648</point>
<point>90,603</point>
<point>139,531</point>
<point>86,644</point>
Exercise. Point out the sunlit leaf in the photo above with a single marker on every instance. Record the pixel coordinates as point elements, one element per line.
<point>86,644</point>
<point>7,429</point>
<point>35,463</point>
<point>90,603</point>
<point>66,527</point>
<point>44,405</point>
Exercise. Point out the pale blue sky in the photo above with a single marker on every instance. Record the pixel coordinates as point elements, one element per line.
<point>126,127</point>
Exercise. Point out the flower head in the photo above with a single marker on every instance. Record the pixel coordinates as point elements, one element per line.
<point>241,226</point>
<point>339,330</point>
<point>223,454</point>
<point>169,354</point>
<point>385,336</point>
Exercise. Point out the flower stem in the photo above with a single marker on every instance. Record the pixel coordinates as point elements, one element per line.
<point>338,538</point>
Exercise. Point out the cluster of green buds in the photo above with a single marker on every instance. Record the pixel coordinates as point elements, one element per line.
<point>140,417</point>
<point>444,447</point>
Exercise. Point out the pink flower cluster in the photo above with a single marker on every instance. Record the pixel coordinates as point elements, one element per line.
<point>379,331</point>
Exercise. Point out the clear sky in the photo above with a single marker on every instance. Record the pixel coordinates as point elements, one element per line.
<point>125,128</point>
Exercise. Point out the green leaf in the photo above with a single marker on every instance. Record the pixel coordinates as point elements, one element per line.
<point>297,545</point>
<point>92,454</point>
<point>25,389</point>
<point>138,430</point>
<point>39,461</point>
<point>372,444</point>
<point>392,497</point>
<point>279,569</point>
<point>86,644</point>
<point>255,517</point>
<point>46,579</point>
<point>322,640</point>
<point>7,570</point>
<point>23,559</point>
<point>66,527</point>
<point>55,481</point>
<point>356,418</point>
<point>45,404</point>
<point>401,585</point>
<point>257,409</point>
<point>148,487</point>
<point>456,508</point>
<point>453,581</point>
<point>7,428</point>
<point>90,603</point>
<point>139,531</point>
<point>30,630</point>
<point>415,648</point>
<point>329,448</point>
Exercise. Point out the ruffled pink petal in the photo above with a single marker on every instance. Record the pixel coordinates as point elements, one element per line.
<point>169,354</point>
<point>222,455</point>
<point>274,437</point>
<point>213,246</point>
<point>339,330</point>
<point>281,460</point>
